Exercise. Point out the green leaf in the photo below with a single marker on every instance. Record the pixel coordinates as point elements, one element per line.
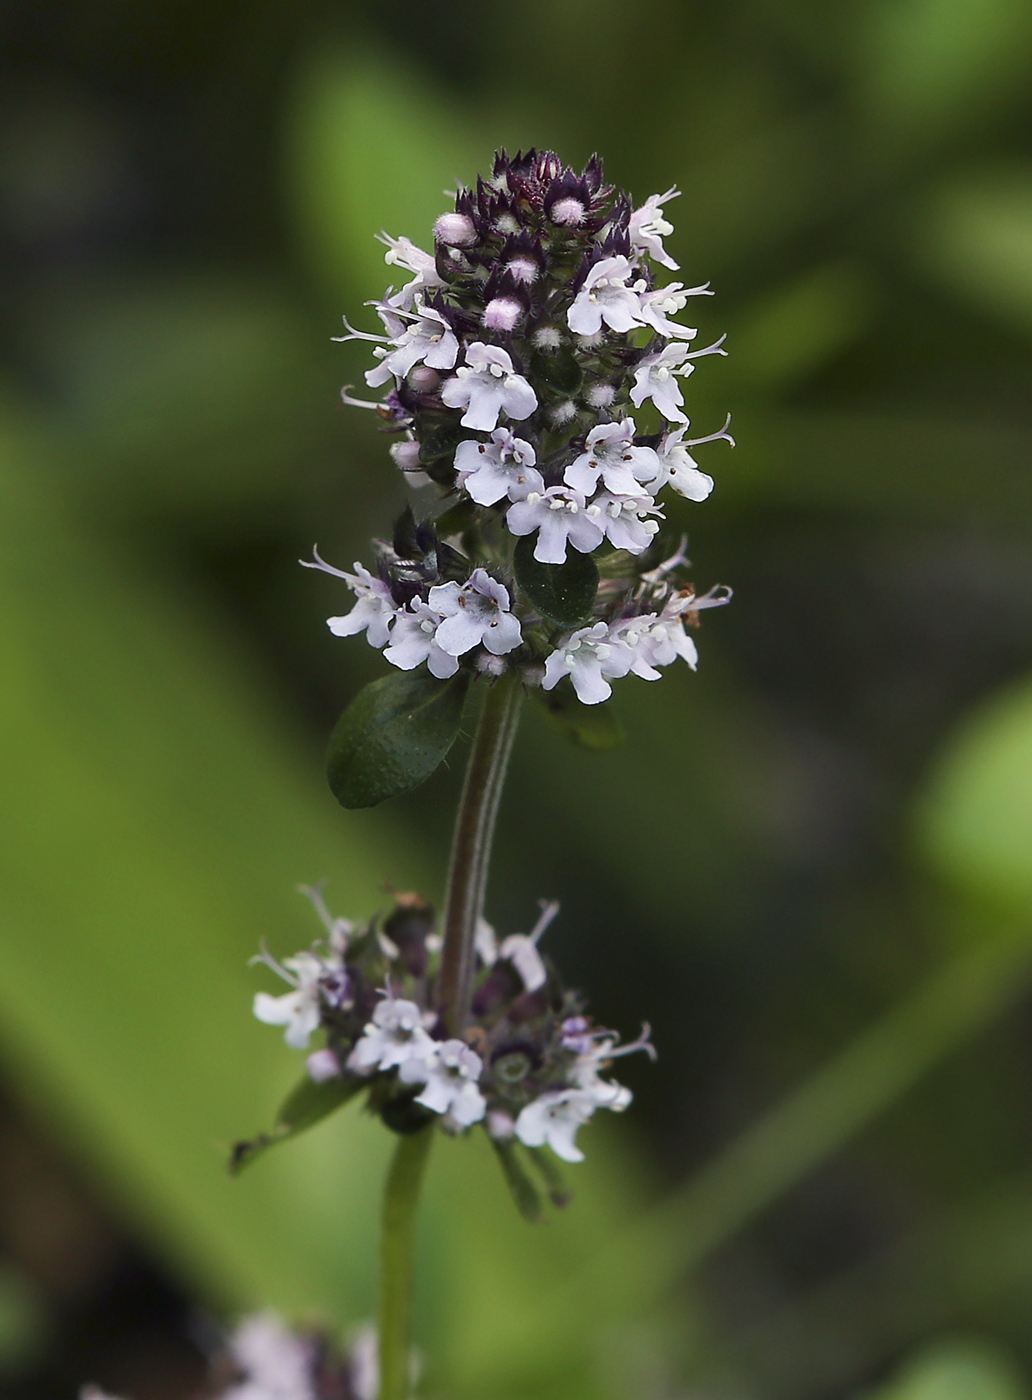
<point>551,1174</point>
<point>393,735</point>
<point>308,1103</point>
<point>562,593</point>
<point>591,726</point>
<point>524,1192</point>
<point>560,370</point>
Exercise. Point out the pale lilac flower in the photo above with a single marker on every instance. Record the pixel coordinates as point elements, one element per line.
<point>658,305</point>
<point>487,385</point>
<point>402,252</point>
<point>450,1076</point>
<point>553,1118</point>
<point>611,454</point>
<point>394,1036</point>
<point>298,1010</point>
<point>589,656</point>
<point>521,950</point>
<point>364,1356</point>
<point>605,296</point>
<point>648,228</point>
<point>484,942</point>
<point>375,610</point>
<point>414,640</point>
<point>623,518</point>
<point>678,468</point>
<point>276,1363</point>
<point>501,1126</point>
<point>429,340</point>
<point>601,1049</point>
<point>476,613</point>
<point>487,471</point>
<point>559,514</point>
<point>656,379</point>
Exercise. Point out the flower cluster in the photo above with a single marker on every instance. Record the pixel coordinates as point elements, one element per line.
<point>529,1067</point>
<point>264,1359</point>
<point>514,359</point>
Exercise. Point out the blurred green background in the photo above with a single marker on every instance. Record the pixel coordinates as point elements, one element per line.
<point>810,867</point>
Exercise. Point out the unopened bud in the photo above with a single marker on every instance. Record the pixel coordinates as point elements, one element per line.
<point>500,1125</point>
<point>323,1065</point>
<point>568,211</point>
<point>424,379</point>
<point>455,231</point>
<point>406,456</point>
<point>501,314</point>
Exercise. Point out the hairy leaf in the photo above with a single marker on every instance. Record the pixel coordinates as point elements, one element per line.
<point>393,735</point>
<point>562,593</point>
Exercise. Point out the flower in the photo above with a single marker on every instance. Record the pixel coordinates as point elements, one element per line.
<point>521,950</point>
<point>553,1119</point>
<point>414,640</point>
<point>298,1010</point>
<point>647,228</point>
<point>623,520</point>
<point>610,453</point>
<point>588,656</point>
<point>658,305</point>
<point>656,379</point>
<point>489,471</point>
<point>677,468</point>
<point>402,252</point>
<point>487,385</point>
<point>395,1035</point>
<point>606,297</point>
<point>559,514</point>
<point>429,340</point>
<point>375,610</point>
<point>276,1363</point>
<point>475,613</point>
<point>451,1082</point>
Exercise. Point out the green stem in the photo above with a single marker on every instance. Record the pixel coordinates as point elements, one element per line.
<point>400,1200</point>
<point>471,845</point>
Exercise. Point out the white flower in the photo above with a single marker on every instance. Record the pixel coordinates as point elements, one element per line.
<point>605,296</point>
<point>611,454</point>
<point>648,228</point>
<point>402,252</point>
<point>429,340</point>
<point>490,470</point>
<point>553,1119</point>
<point>414,640</point>
<point>393,1037</point>
<point>521,950</point>
<point>375,610</point>
<point>600,1049</point>
<point>623,519</point>
<point>588,656</point>
<point>658,305</point>
<point>677,468</point>
<point>277,1364</point>
<point>559,514</point>
<point>656,378</point>
<point>476,613</point>
<point>451,1082</point>
<point>298,1010</point>
<point>487,385</point>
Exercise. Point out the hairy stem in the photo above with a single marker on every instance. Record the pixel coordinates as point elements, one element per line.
<point>471,845</point>
<point>400,1201</point>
